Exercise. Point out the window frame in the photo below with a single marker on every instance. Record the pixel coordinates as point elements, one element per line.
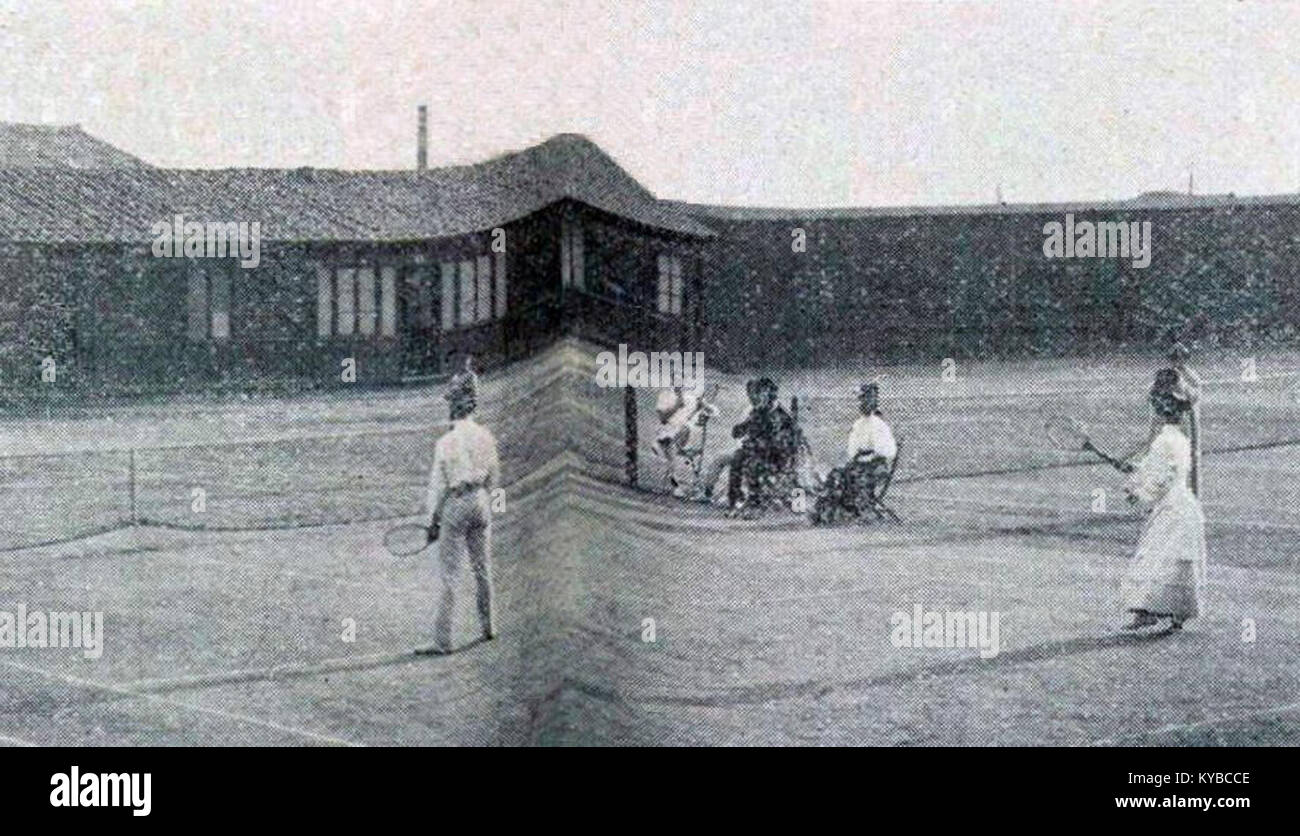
<point>473,293</point>
<point>209,300</point>
<point>670,287</point>
<point>483,289</point>
<point>474,289</point>
<point>573,261</point>
<point>345,277</point>
<point>466,294</point>
<point>356,299</point>
<point>500,285</point>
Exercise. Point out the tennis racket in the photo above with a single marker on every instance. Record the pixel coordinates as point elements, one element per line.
<point>409,539</point>
<point>1068,434</point>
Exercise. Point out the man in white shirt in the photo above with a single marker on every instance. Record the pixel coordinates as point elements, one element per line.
<point>871,451</point>
<point>870,434</point>
<point>466,467</point>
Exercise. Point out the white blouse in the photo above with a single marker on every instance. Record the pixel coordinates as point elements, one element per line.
<point>1165,466</point>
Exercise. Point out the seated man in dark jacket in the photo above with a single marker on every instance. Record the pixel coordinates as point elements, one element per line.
<point>768,439</point>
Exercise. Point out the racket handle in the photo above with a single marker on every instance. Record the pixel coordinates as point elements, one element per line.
<point>1121,466</point>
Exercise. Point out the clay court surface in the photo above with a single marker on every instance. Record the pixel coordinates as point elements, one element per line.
<point>228,629</point>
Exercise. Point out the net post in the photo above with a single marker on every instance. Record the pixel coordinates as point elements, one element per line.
<point>630,434</point>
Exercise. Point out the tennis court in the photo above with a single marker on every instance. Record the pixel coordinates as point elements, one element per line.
<point>230,630</point>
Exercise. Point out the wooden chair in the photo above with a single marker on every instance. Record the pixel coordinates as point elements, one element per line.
<point>878,506</point>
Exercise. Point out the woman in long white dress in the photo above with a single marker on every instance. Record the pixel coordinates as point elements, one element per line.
<point>1166,576</point>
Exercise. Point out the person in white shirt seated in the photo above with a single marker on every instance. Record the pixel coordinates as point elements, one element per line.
<point>871,449</point>
<point>682,416</point>
<point>850,490</point>
<point>871,439</point>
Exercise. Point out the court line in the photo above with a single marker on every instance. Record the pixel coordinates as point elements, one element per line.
<point>497,408</point>
<point>1074,500</point>
<point>216,712</point>
<point>1203,724</point>
<point>114,481</point>
<point>969,387</point>
<point>1058,516</point>
<point>340,664</point>
<point>1062,514</point>
<point>602,505</point>
<point>1068,516</point>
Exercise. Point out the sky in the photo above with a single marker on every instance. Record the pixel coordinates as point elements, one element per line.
<point>796,104</point>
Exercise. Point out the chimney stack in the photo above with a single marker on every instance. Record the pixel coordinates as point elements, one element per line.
<point>422,140</point>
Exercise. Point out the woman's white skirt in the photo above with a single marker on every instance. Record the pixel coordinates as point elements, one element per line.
<point>1166,575</point>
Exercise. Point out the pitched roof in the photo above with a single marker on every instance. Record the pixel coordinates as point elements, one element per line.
<point>1148,201</point>
<point>66,205</point>
<point>64,146</point>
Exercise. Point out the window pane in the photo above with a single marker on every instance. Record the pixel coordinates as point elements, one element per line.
<point>677,285</point>
<point>347,309</point>
<point>566,272</point>
<point>388,301</point>
<point>665,302</point>
<point>448,295</point>
<point>483,267</point>
<point>220,304</point>
<point>579,263</point>
<point>366,300</point>
<point>197,328</point>
<point>500,272</point>
<point>420,293</point>
<point>467,306</point>
<point>324,302</point>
